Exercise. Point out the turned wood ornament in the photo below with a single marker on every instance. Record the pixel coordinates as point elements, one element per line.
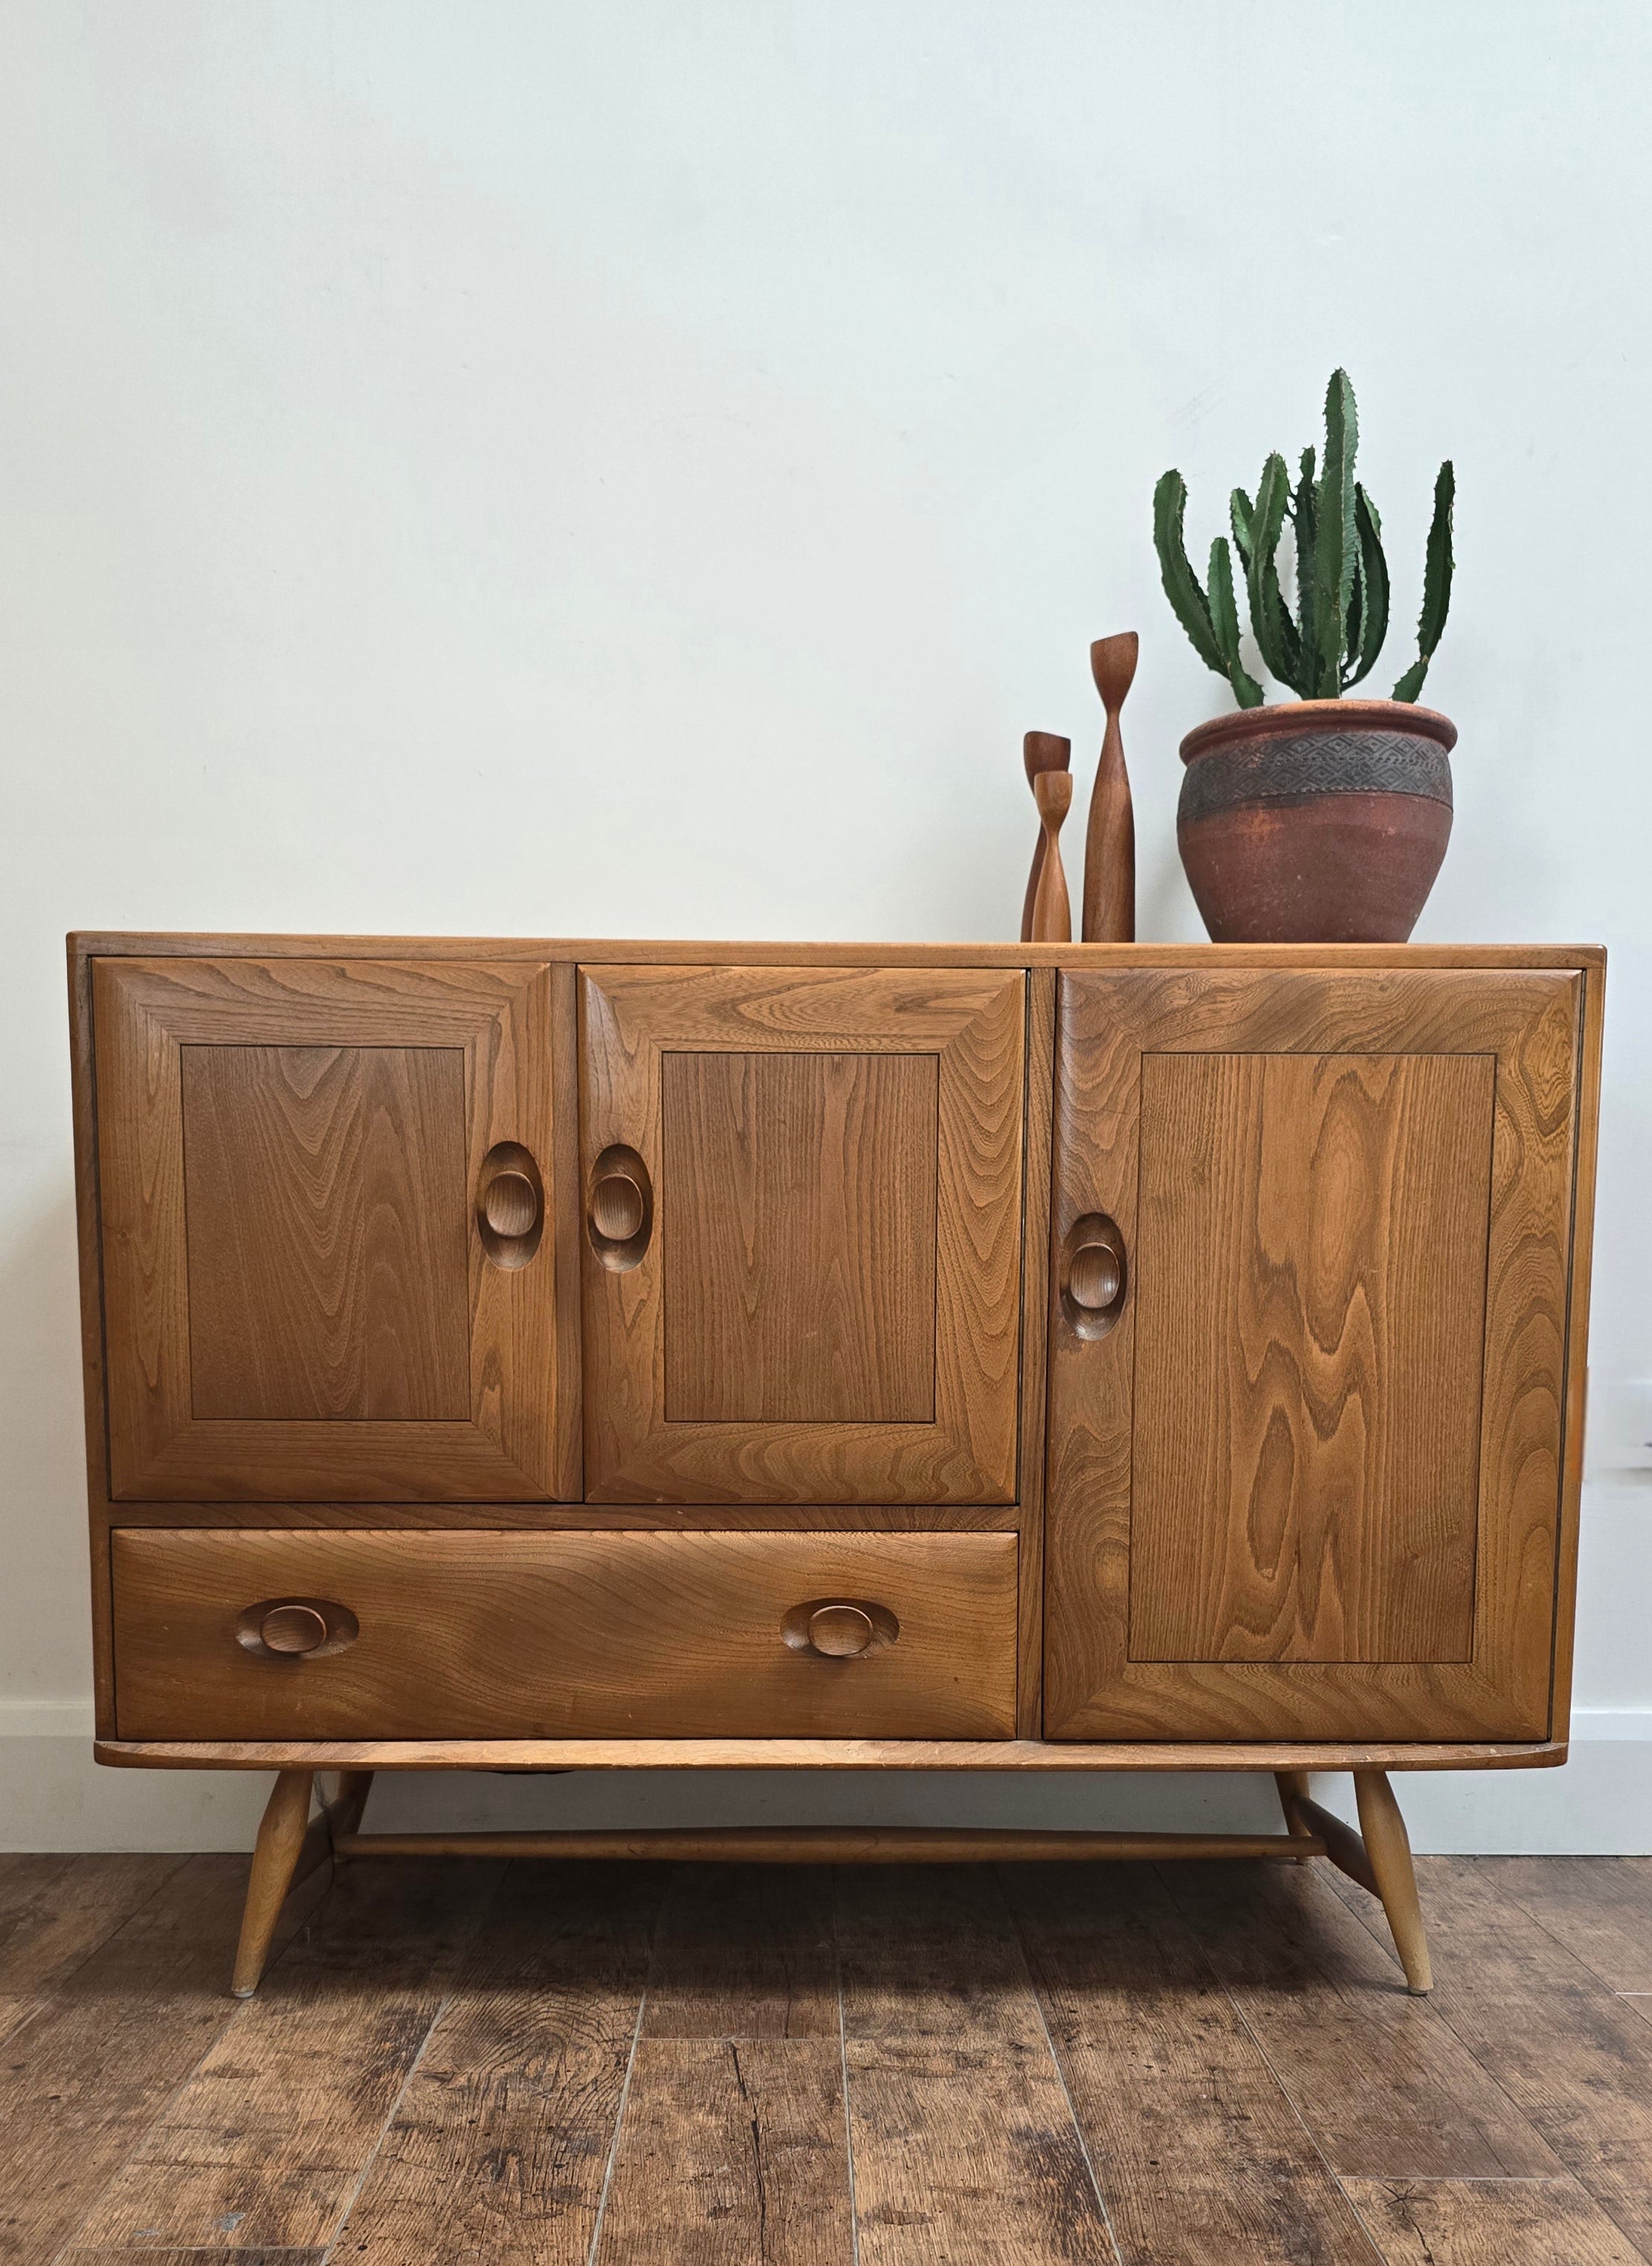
<point>1052,913</point>
<point>1110,849</point>
<point>1041,751</point>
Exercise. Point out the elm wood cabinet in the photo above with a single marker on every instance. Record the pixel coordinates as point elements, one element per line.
<point>531,1354</point>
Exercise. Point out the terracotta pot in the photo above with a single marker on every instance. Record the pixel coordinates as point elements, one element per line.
<point>1318,821</point>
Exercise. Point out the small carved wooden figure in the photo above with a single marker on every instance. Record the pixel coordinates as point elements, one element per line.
<point>1041,751</point>
<point>1109,852</point>
<point>1052,913</point>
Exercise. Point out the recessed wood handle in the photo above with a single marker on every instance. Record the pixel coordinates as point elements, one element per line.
<point>617,1206</point>
<point>840,1630</point>
<point>1097,1276</point>
<point>293,1629</point>
<point>510,1204</point>
<point>1093,1276</point>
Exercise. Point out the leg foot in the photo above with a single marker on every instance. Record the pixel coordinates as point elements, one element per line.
<point>1388,1849</point>
<point>280,1837</point>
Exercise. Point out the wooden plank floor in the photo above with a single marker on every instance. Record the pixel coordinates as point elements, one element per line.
<point>516,2064</point>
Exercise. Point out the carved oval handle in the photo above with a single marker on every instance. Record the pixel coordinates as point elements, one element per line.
<point>1094,1276</point>
<point>293,1629</point>
<point>840,1630</point>
<point>617,1206</point>
<point>1097,1276</point>
<point>510,1204</point>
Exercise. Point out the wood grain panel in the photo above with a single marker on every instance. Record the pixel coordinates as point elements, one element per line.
<point>968,1024</point>
<point>505,1439</point>
<point>469,1634</point>
<point>1528,1021</point>
<point>324,1204</point>
<point>1311,1276</point>
<point>799,1232</point>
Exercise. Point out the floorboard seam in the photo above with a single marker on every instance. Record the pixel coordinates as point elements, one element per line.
<point>342,2226</point>
<point>631,2063</point>
<point>1061,2074</point>
<point>1285,2093</point>
<point>238,2007</point>
<point>843,2063</point>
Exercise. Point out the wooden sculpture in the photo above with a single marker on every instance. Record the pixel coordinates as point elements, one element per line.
<point>1041,751</point>
<point>1052,913</point>
<point>1109,852</point>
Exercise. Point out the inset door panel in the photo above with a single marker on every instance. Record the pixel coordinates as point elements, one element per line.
<point>1307,1484</point>
<point>803,1195</point>
<point>301,1165</point>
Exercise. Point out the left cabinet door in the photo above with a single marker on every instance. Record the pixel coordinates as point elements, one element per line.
<point>326,1191</point>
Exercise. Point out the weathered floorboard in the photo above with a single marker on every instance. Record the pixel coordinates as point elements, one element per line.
<point>731,2150</point>
<point>267,2142</point>
<point>1499,2223</point>
<point>1199,2155</point>
<point>500,2145</point>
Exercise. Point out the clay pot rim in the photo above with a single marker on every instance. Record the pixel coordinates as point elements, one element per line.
<point>1288,718</point>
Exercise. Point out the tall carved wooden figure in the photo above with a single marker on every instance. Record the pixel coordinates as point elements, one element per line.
<point>1110,849</point>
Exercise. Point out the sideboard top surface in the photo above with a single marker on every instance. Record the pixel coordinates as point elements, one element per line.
<point>91,944</point>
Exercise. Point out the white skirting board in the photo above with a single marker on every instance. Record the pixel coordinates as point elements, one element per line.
<point>53,1796</point>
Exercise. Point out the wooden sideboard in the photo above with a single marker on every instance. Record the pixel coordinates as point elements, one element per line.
<point>541,1355</point>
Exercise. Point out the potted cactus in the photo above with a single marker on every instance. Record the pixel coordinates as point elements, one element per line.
<point>1321,820</point>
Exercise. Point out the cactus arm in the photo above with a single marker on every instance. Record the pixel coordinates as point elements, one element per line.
<point>1225,622</point>
<point>1242,518</point>
<point>1353,628</point>
<point>1436,585</point>
<point>1335,541</point>
<point>1302,519</point>
<point>1373,572</point>
<point>1276,632</point>
<point>1187,600</point>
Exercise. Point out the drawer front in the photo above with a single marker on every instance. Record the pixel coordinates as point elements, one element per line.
<point>268,1635</point>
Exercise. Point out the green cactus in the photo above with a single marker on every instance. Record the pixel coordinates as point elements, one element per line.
<point>1342,613</point>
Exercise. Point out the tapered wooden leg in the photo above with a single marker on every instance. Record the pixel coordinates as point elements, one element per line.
<point>1388,1850</point>
<point>344,1814</point>
<point>275,1853</point>
<point>1293,1789</point>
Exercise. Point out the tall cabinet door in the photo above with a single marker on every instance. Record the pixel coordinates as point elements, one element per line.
<point>328,1267</point>
<point>802,1195</point>
<point>1309,1282</point>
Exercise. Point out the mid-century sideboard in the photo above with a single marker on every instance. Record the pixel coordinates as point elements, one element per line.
<point>537,1355</point>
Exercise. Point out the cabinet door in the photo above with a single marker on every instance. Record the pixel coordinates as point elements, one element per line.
<point>1309,1284</point>
<point>328,1269</point>
<point>802,1261</point>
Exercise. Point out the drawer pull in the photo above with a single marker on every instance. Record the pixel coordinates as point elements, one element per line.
<point>840,1630</point>
<point>293,1629</point>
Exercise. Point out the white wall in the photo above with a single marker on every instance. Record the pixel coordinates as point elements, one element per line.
<point>638,468</point>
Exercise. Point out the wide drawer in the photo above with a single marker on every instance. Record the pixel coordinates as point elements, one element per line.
<point>268,1635</point>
